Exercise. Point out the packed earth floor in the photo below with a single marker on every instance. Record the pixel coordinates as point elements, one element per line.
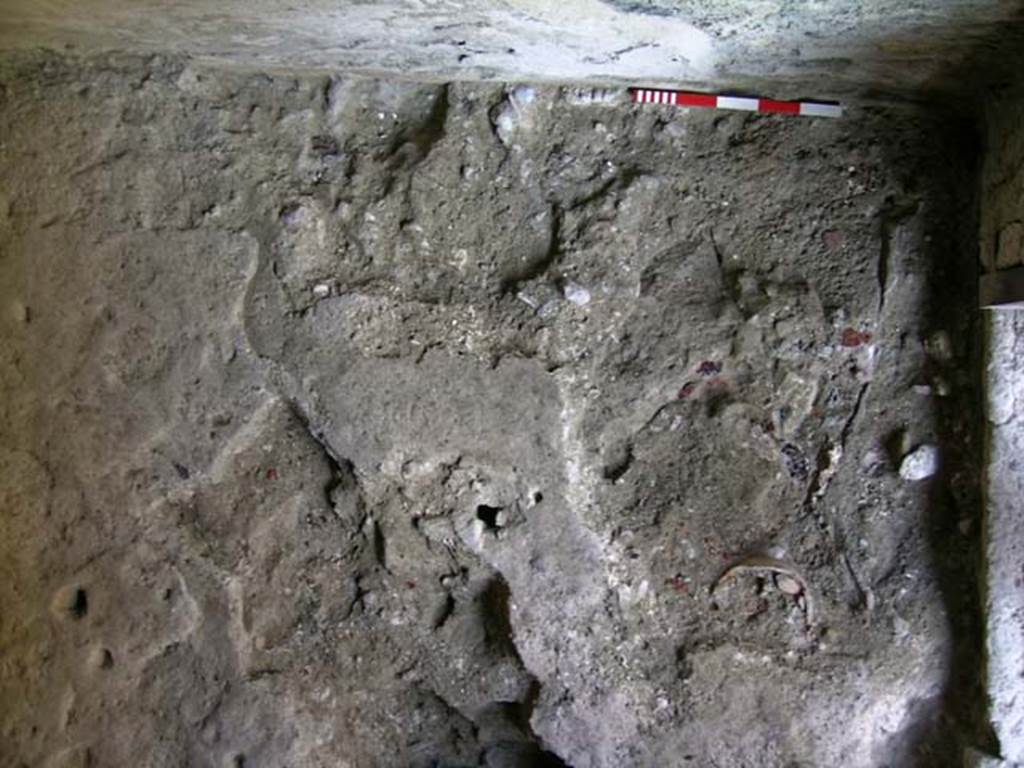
<point>352,422</point>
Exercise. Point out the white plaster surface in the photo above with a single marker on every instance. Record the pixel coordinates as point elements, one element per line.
<point>823,48</point>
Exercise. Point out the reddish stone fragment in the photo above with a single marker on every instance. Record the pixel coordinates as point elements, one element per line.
<point>854,338</point>
<point>833,239</point>
<point>678,583</point>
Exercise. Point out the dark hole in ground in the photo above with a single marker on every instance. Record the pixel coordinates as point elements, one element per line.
<point>80,605</point>
<point>493,603</point>
<point>488,515</point>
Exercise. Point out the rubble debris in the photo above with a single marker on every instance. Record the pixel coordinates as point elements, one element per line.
<point>793,584</point>
<point>795,461</point>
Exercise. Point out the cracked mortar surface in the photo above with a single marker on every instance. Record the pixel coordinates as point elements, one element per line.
<point>355,422</point>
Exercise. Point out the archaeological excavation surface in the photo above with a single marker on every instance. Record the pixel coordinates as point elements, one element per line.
<point>353,422</point>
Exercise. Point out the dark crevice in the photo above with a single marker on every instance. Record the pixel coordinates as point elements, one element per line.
<point>617,185</point>
<point>956,718</point>
<point>539,265</point>
<point>488,515</point>
<point>814,487</point>
<point>518,746</point>
<point>432,130</point>
<point>444,613</point>
<point>79,605</point>
<point>494,603</point>
<point>342,470</point>
<point>379,545</point>
<point>844,435</point>
<point>525,709</point>
<point>618,461</point>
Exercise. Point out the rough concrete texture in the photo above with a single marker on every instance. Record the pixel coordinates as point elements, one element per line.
<point>359,423</point>
<point>835,48</point>
<point>1004,544</point>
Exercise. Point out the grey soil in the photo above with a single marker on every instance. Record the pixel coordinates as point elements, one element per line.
<point>362,423</point>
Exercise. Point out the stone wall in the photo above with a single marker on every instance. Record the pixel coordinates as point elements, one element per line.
<point>1002,212</point>
<point>1002,248</point>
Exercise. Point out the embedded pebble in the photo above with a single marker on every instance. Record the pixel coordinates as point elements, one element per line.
<point>20,313</point>
<point>940,346</point>
<point>787,584</point>
<point>921,463</point>
<point>100,658</point>
<point>527,299</point>
<point>577,294</point>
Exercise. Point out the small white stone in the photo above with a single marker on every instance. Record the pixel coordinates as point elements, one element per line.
<point>577,294</point>
<point>504,124</point>
<point>873,461</point>
<point>522,95</point>
<point>787,584</point>
<point>921,463</point>
<point>321,290</point>
<point>527,299</point>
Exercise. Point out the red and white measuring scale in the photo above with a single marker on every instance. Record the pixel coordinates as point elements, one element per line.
<point>743,103</point>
